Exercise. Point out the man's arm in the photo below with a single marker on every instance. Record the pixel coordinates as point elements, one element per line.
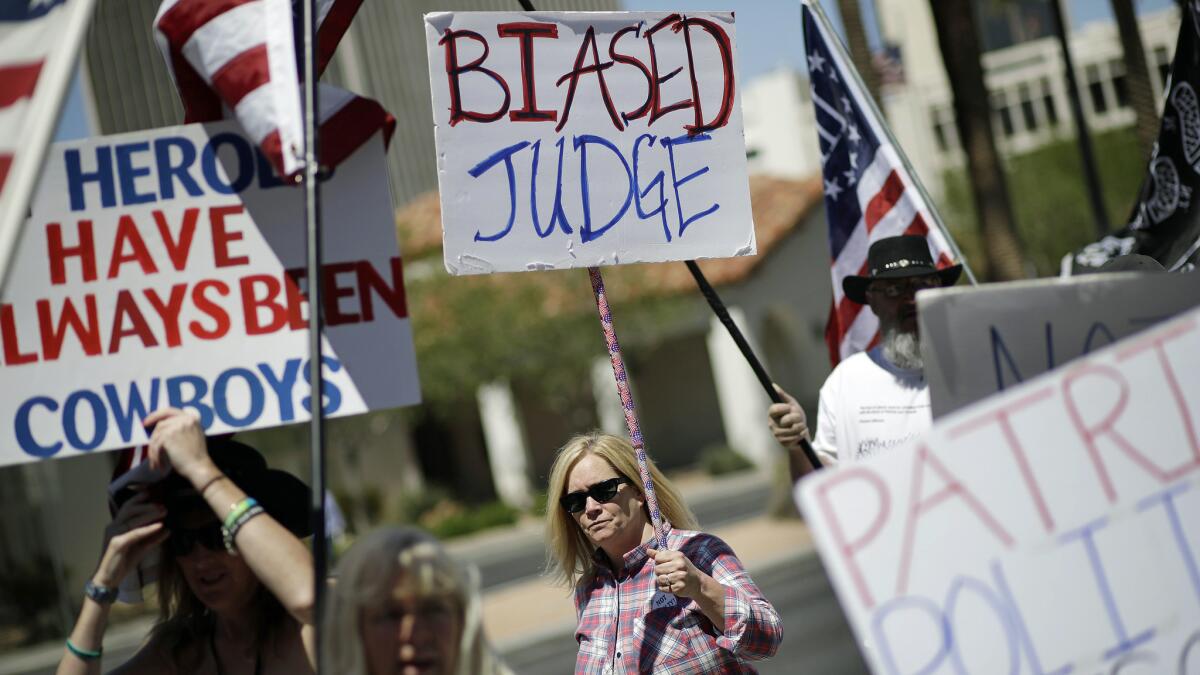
<point>789,426</point>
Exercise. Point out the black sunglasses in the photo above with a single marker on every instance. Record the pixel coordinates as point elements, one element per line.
<point>183,540</point>
<point>602,492</point>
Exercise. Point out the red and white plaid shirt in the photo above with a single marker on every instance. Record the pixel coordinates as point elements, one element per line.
<point>619,632</point>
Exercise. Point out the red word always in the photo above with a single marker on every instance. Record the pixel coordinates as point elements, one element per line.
<point>588,63</point>
<point>208,309</point>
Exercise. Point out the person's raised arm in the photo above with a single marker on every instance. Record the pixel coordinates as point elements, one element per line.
<point>280,561</point>
<point>135,530</point>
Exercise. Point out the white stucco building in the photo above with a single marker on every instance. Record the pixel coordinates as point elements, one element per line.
<point>1027,83</point>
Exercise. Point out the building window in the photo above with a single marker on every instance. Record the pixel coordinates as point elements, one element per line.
<point>1163,64</point>
<point>939,132</point>
<point>1048,101</point>
<point>1000,105</point>
<point>1096,90</point>
<point>1120,83</point>
<point>1027,112</point>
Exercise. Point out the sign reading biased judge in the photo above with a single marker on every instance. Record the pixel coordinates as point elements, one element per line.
<point>1051,528</point>
<point>587,138</point>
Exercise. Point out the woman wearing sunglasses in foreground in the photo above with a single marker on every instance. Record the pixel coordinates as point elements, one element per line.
<point>235,583</point>
<point>690,608</point>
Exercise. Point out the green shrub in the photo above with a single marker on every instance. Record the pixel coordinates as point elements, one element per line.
<point>456,521</point>
<point>1049,198</point>
<point>719,459</point>
<point>538,507</point>
<point>412,506</point>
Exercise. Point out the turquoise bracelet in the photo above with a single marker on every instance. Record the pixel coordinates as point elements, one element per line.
<point>238,510</point>
<point>84,654</point>
<point>229,533</point>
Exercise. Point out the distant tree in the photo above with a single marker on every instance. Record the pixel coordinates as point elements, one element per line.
<point>1137,75</point>
<point>958,38</point>
<point>856,41</point>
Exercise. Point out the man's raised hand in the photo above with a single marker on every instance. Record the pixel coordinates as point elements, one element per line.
<point>787,421</point>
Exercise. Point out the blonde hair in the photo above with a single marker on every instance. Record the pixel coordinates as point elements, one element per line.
<point>568,550</point>
<point>365,578</point>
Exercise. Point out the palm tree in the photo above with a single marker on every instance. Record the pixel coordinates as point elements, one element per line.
<point>860,51</point>
<point>958,38</point>
<point>1137,75</point>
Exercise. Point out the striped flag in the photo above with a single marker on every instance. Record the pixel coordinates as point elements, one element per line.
<point>39,42</point>
<point>869,193</point>
<point>241,56</point>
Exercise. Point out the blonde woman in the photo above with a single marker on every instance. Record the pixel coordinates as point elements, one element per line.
<point>401,605</point>
<point>688,608</point>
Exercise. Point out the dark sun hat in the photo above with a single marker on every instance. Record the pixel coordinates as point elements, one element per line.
<point>898,257</point>
<point>282,495</point>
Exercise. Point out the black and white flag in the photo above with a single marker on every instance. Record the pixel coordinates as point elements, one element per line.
<point>1165,223</point>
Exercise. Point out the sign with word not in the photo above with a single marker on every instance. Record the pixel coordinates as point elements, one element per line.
<point>1052,528</point>
<point>977,341</point>
<point>167,268</point>
<point>587,138</point>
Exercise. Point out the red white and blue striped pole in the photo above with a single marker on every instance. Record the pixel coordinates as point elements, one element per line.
<point>631,419</point>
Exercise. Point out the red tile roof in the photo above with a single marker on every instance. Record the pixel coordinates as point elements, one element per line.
<point>780,205</point>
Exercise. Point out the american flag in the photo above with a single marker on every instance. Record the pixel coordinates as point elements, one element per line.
<point>39,40</point>
<point>241,56</point>
<point>869,193</point>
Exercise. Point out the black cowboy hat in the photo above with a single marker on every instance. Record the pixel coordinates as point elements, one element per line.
<point>282,495</point>
<point>906,255</point>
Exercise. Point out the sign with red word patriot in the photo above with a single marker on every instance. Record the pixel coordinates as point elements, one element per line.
<point>1053,527</point>
<point>167,268</point>
<point>587,138</point>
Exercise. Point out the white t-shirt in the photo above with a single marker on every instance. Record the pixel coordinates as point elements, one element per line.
<point>868,406</point>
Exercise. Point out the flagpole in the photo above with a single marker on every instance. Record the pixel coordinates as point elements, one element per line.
<point>1083,137</point>
<point>839,49</point>
<point>56,79</point>
<point>312,215</point>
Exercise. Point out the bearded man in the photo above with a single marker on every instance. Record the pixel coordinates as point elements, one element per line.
<point>878,399</point>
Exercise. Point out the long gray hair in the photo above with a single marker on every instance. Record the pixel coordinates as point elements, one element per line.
<point>365,577</point>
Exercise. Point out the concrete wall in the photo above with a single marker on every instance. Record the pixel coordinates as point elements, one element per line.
<point>786,304</point>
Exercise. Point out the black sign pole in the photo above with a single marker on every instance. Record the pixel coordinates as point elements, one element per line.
<point>312,215</point>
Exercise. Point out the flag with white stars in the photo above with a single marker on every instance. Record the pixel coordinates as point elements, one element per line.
<point>869,193</point>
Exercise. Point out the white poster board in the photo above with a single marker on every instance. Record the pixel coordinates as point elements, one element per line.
<point>587,138</point>
<point>977,341</point>
<point>1052,528</point>
<point>167,267</point>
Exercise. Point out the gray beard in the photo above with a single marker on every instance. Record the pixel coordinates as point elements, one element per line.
<point>903,349</point>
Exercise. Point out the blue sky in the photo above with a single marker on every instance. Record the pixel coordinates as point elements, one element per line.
<point>768,32</point>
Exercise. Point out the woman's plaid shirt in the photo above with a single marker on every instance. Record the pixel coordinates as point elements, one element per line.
<point>620,632</point>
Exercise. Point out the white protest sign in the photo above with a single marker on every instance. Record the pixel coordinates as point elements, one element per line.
<point>587,138</point>
<point>1052,528</point>
<point>977,341</point>
<point>167,267</point>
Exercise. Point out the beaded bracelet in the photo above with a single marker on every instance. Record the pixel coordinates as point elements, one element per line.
<point>236,511</point>
<point>84,654</point>
<point>229,533</point>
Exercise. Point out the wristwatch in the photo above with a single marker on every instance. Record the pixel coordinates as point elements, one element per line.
<point>101,594</point>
